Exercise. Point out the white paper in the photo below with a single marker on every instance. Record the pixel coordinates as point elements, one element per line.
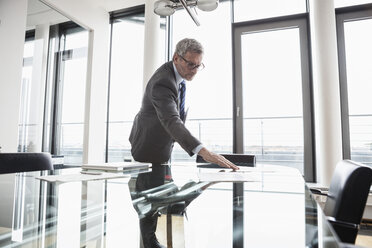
<point>64,178</point>
<point>236,176</point>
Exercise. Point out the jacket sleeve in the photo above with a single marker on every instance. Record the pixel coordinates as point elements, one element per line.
<point>164,97</point>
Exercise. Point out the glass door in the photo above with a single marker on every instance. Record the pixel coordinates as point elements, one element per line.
<point>72,95</point>
<point>272,88</point>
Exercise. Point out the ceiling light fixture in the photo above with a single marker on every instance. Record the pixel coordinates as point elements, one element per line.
<point>168,7</point>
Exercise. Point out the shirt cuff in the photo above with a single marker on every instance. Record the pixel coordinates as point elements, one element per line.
<point>197,149</point>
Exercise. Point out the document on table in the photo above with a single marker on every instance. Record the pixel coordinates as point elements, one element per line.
<point>81,176</point>
<point>116,166</point>
<point>256,169</point>
<point>230,176</point>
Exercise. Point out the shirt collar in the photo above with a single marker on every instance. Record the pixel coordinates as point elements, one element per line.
<point>179,79</point>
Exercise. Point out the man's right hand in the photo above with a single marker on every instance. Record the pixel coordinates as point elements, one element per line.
<point>216,159</point>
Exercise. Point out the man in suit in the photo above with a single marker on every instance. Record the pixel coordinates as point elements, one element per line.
<point>159,122</point>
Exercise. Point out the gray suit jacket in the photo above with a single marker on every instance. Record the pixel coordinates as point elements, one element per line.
<point>157,125</point>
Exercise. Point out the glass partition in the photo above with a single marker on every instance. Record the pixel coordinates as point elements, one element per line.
<point>53,85</point>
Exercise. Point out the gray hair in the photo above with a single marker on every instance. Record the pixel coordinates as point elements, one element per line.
<point>188,45</point>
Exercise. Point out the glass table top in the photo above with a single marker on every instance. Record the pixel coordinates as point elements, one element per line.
<point>185,205</point>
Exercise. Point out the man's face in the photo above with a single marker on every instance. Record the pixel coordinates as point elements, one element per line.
<point>187,66</point>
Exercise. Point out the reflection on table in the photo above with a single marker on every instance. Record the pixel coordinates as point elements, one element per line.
<point>273,210</point>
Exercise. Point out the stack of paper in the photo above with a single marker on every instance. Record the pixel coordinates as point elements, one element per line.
<point>65,178</point>
<point>116,166</point>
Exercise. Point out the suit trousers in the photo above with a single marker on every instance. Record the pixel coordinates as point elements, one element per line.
<point>147,181</point>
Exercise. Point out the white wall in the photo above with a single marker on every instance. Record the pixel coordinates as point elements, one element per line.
<point>12,26</point>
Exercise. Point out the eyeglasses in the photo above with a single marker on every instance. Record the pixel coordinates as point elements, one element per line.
<point>193,66</point>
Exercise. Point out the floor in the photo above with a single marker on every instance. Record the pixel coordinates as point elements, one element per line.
<point>178,240</point>
<point>364,238</point>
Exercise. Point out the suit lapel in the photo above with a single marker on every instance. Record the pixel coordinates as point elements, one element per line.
<point>170,68</point>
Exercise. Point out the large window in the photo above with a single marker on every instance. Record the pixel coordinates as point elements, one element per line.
<point>277,109</point>
<point>126,78</point>
<point>209,95</point>
<point>355,39</point>
<point>65,100</point>
<point>273,89</point>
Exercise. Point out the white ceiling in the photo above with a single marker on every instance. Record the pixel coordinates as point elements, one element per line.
<point>111,5</point>
<point>35,7</point>
<point>38,13</point>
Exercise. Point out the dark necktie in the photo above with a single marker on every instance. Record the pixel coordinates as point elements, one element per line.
<point>182,99</point>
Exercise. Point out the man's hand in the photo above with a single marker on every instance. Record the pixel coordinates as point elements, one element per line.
<point>216,159</point>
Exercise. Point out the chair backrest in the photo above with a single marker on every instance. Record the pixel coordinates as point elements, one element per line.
<point>22,162</point>
<point>237,159</point>
<point>347,196</point>
<point>348,192</point>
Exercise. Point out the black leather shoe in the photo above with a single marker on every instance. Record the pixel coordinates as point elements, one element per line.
<point>153,243</point>
<point>148,228</point>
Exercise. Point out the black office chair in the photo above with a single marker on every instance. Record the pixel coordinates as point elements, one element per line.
<point>347,197</point>
<point>25,161</point>
<point>237,159</point>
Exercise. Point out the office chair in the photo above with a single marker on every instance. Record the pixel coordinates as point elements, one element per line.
<point>347,197</point>
<point>22,162</point>
<point>237,159</point>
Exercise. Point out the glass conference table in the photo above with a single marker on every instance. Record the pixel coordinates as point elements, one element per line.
<point>197,207</point>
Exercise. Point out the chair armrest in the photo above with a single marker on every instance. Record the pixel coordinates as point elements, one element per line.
<point>317,191</point>
<point>341,223</point>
